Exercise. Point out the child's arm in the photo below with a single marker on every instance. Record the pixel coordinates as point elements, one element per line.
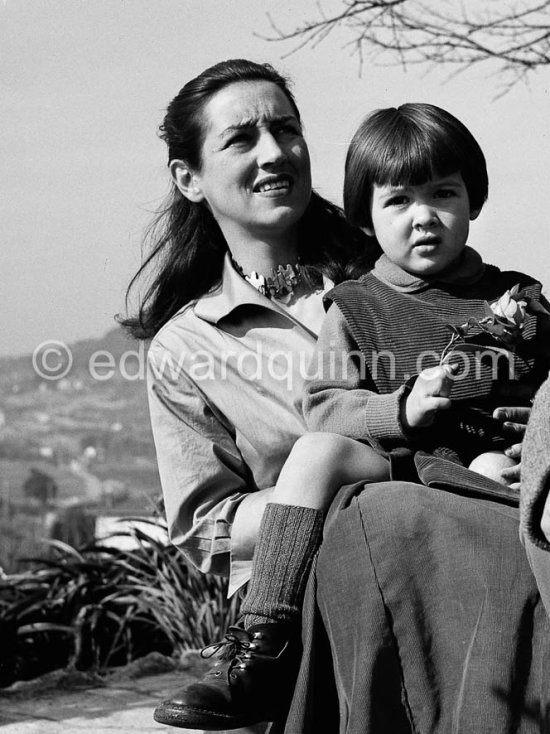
<point>342,396</point>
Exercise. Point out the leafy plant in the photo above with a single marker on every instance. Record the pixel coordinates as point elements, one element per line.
<point>98,606</point>
<point>161,586</point>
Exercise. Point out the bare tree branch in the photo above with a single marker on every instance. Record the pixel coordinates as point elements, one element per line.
<point>512,34</point>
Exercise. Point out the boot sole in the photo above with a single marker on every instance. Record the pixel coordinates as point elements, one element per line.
<point>192,718</point>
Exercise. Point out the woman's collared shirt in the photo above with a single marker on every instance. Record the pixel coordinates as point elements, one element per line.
<point>225,379</point>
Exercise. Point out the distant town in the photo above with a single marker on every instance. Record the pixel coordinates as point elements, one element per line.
<point>76,453</point>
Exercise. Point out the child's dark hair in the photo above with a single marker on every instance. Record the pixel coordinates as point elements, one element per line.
<point>409,145</point>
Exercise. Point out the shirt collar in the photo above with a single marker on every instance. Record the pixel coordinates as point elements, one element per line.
<point>233,291</point>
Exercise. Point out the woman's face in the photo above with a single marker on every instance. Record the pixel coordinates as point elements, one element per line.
<point>255,171</point>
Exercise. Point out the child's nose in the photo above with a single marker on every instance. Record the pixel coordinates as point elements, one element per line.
<point>424,216</point>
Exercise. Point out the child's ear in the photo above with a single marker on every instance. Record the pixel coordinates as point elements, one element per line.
<point>186,180</point>
<point>369,231</point>
<point>474,214</point>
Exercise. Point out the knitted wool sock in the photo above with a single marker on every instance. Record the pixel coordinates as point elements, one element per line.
<point>288,539</point>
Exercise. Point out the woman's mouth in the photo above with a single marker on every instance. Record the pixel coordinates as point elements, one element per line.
<point>274,185</point>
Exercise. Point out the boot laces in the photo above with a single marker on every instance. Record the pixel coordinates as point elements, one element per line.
<point>236,642</point>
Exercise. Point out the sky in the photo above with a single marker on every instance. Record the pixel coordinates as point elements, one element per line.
<point>83,88</point>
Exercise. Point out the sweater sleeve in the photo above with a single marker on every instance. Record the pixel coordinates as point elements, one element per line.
<point>535,468</point>
<point>340,397</point>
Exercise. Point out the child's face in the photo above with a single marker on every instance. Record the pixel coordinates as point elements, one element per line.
<point>422,228</point>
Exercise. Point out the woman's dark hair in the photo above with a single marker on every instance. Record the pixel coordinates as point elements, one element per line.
<point>409,145</point>
<point>187,246</point>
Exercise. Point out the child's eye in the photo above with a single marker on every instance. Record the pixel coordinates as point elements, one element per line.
<point>445,193</point>
<point>397,200</point>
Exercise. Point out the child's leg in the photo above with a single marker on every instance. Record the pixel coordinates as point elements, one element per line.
<point>256,683</point>
<point>320,463</point>
<point>292,523</point>
<point>491,464</point>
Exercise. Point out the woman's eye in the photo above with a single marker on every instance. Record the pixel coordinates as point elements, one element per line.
<point>239,139</point>
<point>287,129</point>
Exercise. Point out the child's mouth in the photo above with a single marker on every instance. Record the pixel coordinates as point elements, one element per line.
<point>430,241</point>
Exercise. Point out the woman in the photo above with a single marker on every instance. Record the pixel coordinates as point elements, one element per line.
<point>227,363</point>
<point>243,254</point>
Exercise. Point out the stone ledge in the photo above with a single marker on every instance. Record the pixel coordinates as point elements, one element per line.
<point>67,702</point>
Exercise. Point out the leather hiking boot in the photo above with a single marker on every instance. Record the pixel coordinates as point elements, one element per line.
<point>252,681</point>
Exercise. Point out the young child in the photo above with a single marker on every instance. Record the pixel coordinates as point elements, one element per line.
<point>415,178</point>
<point>385,394</point>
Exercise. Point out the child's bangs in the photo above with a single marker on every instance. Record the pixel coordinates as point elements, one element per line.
<point>411,157</point>
<point>408,146</point>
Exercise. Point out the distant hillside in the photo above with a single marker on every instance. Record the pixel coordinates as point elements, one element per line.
<point>81,423</point>
<point>115,341</point>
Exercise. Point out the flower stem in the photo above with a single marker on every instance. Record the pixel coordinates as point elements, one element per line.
<point>449,348</point>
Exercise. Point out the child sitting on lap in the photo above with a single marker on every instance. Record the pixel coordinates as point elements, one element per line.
<point>415,178</point>
<point>412,361</point>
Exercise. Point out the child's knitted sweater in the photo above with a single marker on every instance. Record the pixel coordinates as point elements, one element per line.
<point>368,354</point>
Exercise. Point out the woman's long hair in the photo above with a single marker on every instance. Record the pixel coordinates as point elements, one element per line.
<point>187,247</point>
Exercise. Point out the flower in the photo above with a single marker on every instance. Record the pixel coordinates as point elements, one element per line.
<point>504,320</point>
<point>512,306</point>
<point>505,317</point>
<point>509,315</point>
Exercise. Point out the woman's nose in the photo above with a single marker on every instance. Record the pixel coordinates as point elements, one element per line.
<point>269,150</point>
<point>424,216</point>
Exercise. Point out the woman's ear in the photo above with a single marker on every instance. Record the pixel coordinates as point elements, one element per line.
<point>186,180</point>
<point>369,231</point>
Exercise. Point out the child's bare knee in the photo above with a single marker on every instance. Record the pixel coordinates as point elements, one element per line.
<point>311,445</point>
<point>324,448</point>
<point>491,463</point>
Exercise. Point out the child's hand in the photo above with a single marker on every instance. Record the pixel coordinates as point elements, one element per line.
<point>430,394</point>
